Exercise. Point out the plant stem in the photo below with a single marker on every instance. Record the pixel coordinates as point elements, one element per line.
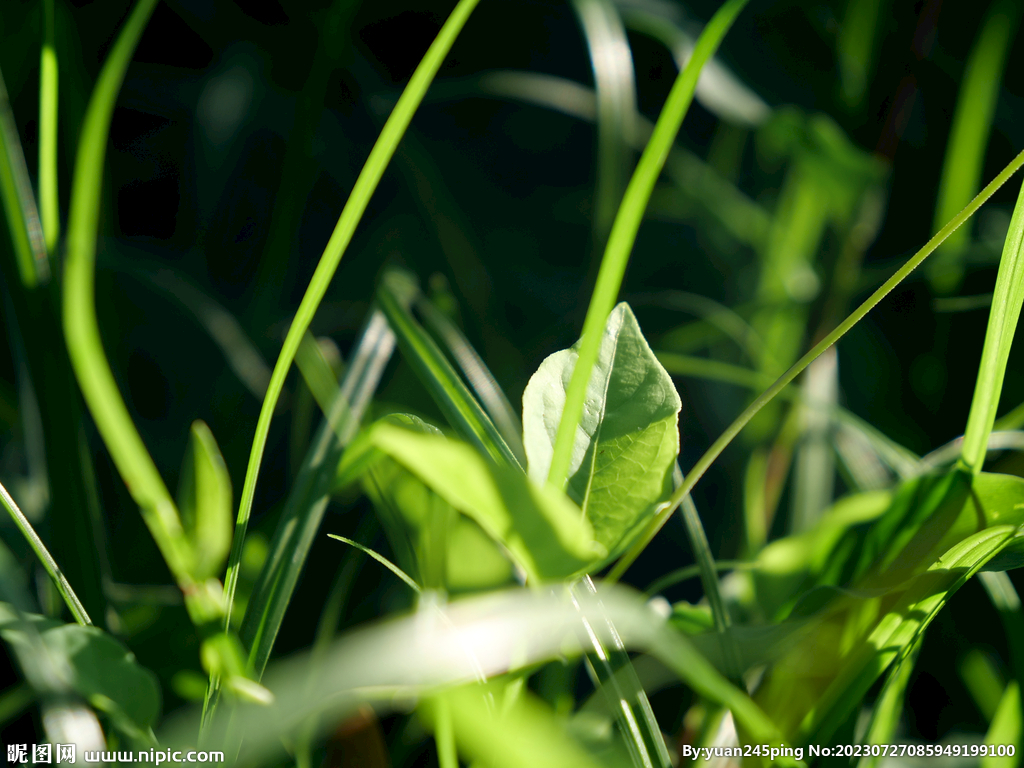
<point>70,598</point>
<point>624,231</point>
<point>49,206</point>
<point>359,198</point>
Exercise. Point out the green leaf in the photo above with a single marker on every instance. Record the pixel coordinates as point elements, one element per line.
<point>542,529</point>
<point>627,439</point>
<point>97,665</point>
<point>204,498</point>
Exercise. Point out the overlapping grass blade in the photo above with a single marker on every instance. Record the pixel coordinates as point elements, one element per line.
<point>395,294</point>
<point>1007,602</point>
<point>855,317</point>
<point>1002,323</point>
<point>380,559</point>
<point>359,198</point>
<point>59,580</point>
<point>625,228</point>
<point>968,138</point>
<point>492,397</point>
<point>615,87</point>
<point>885,716</point>
<point>308,498</point>
<point>19,202</point>
<point>49,204</point>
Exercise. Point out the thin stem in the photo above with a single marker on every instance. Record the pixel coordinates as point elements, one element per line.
<point>624,231</point>
<point>70,598</point>
<point>49,207</point>
<point>359,198</point>
<point>783,381</point>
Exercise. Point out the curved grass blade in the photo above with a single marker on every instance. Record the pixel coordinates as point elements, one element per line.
<point>451,395</point>
<point>968,138</point>
<point>49,204</point>
<point>1007,299</point>
<point>81,330</point>
<point>358,199</point>
<point>624,231</point>
<point>493,399</point>
<point>1007,728</point>
<point>380,559</point>
<point>783,381</point>
<point>307,500</point>
<point>19,202</point>
<point>59,580</point>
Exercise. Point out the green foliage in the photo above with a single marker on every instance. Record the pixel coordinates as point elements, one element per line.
<point>204,498</point>
<point>627,439</point>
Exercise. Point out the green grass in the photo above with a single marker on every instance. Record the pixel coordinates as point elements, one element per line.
<point>540,347</point>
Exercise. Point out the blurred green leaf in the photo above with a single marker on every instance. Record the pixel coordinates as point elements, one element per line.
<point>541,528</point>
<point>1007,729</point>
<point>95,664</point>
<point>204,498</point>
<point>627,440</point>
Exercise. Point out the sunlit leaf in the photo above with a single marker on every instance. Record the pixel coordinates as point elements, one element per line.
<point>627,439</point>
<point>204,498</point>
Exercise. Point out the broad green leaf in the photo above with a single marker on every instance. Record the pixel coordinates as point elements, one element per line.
<point>96,664</point>
<point>627,439</point>
<point>541,528</point>
<point>1007,728</point>
<point>204,498</point>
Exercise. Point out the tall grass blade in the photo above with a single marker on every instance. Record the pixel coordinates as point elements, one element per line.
<point>81,330</point>
<point>49,204</point>
<point>856,46</point>
<point>358,199</point>
<point>855,317</point>
<point>451,395</point>
<point>492,397</point>
<point>615,86</point>
<point>308,498</point>
<point>625,228</point>
<point>968,138</point>
<point>19,202</point>
<point>1004,597</point>
<point>58,578</point>
<point>1002,323</point>
<point>885,716</point>
<point>1007,729</point>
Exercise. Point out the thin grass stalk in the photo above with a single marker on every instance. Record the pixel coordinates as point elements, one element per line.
<point>59,580</point>
<point>382,560</point>
<point>18,201</point>
<point>49,206</point>
<point>783,381</point>
<point>624,231</point>
<point>351,214</point>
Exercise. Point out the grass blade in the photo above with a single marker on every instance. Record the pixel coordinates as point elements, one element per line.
<point>380,559</point>
<point>1006,600</point>
<point>1002,322</point>
<point>968,138</point>
<point>612,63</point>
<point>49,204</point>
<point>885,717</point>
<point>19,202</point>
<point>1007,729</point>
<point>448,391</point>
<point>70,598</point>
<point>493,399</point>
<point>81,330</point>
<point>359,198</point>
<point>855,317</point>
<point>307,500</point>
<point>625,228</point>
